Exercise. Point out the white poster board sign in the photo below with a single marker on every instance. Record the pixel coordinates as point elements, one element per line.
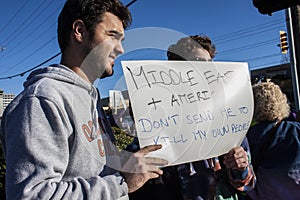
<point>196,110</point>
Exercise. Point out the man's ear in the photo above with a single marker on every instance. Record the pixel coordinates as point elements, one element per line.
<point>79,31</point>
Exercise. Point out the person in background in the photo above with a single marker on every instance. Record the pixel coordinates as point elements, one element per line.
<point>274,144</point>
<point>57,141</point>
<point>228,176</point>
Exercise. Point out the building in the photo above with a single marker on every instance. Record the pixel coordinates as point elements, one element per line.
<point>279,74</point>
<point>5,99</point>
<point>1,103</point>
<point>107,101</point>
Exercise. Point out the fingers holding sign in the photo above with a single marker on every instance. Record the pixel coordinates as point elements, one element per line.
<point>236,158</point>
<point>139,169</point>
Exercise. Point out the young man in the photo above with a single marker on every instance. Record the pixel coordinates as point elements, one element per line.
<point>57,141</point>
<point>228,176</point>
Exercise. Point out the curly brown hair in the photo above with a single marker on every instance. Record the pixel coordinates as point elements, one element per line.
<point>184,46</point>
<point>91,13</point>
<point>270,103</point>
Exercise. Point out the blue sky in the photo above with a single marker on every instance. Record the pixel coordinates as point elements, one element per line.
<point>240,32</point>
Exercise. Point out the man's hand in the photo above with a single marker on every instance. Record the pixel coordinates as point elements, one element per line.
<point>139,169</point>
<point>236,158</point>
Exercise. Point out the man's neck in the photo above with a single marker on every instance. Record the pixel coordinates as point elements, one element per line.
<point>80,73</point>
<point>72,64</point>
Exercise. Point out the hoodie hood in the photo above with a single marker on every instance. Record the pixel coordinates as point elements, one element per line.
<point>57,72</point>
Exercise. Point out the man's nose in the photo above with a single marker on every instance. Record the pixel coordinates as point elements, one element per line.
<point>119,48</point>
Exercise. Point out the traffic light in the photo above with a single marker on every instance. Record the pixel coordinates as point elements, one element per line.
<point>283,42</point>
<point>270,6</point>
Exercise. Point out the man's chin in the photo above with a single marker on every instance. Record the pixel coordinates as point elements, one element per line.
<point>107,74</point>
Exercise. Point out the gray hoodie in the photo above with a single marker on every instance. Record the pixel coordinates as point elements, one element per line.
<point>54,143</point>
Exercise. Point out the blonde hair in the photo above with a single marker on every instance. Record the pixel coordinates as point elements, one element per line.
<point>270,103</point>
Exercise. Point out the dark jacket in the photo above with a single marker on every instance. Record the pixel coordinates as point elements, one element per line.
<point>276,153</point>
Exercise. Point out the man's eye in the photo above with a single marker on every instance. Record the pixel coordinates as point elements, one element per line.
<point>112,35</point>
<point>115,35</point>
<point>109,33</point>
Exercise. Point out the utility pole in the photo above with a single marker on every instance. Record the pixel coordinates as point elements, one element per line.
<point>293,26</point>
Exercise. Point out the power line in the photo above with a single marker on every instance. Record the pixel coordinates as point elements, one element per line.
<point>18,33</point>
<point>23,23</point>
<point>263,57</point>
<point>11,19</point>
<point>221,53</point>
<point>11,49</point>
<point>10,53</point>
<point>23,73</point>
<point>235,35</point>
<point>249,46</point>
<point>247,30</point>
<point>45,44</point>
<point>130,3</point>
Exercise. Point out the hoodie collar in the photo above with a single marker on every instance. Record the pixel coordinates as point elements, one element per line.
<point>58,72</point>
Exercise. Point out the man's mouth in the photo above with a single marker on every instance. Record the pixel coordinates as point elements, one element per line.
<point>113,59</point>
